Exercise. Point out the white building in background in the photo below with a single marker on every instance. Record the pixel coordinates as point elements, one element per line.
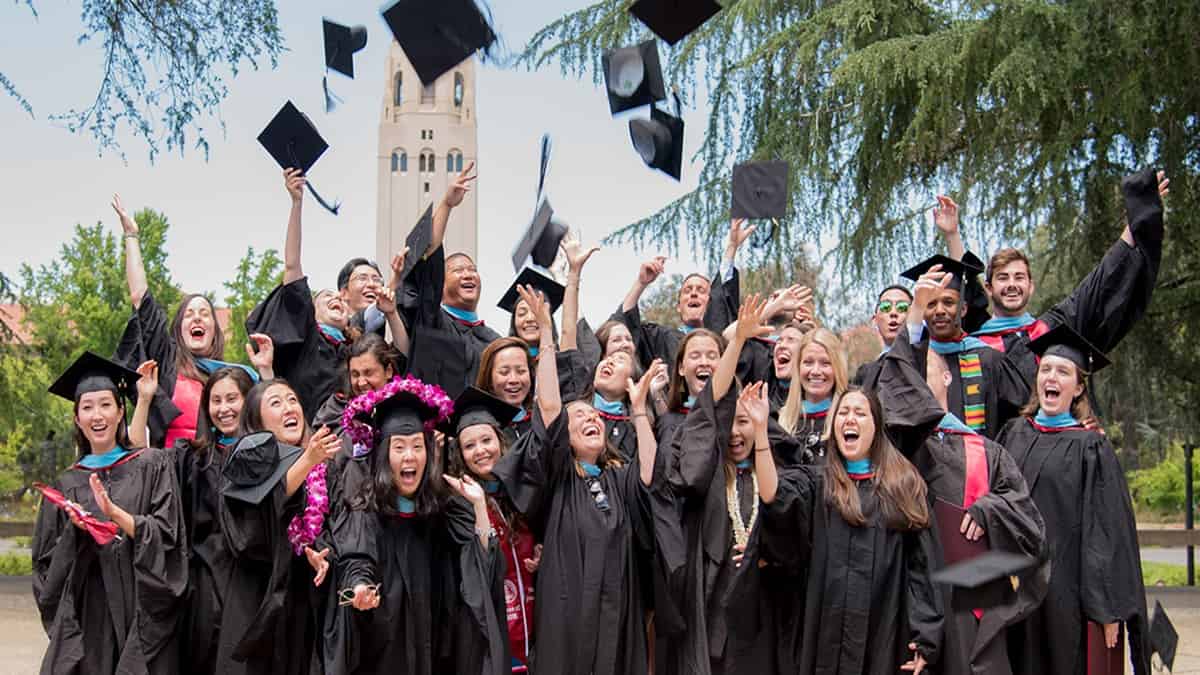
<point>427,135</point>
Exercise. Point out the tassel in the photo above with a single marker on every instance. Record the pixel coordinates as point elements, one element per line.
<point>332,209</point>
<point>331,99</point>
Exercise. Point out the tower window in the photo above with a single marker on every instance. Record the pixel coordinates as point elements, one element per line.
<point>398,90</point>
<point>431,134</point>
<point>426,187</point>
<point>431,169</point>
<point>399,161</point>
<point>427,93</point>
<point>454,161</point>
<point>422,163</point>
<point>458,90</point>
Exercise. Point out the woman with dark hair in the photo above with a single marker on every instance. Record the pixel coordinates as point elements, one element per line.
<point>477,430</point>
<point>506,372</point>
<point>198,465</point>
<point>610,398</point>
<point>1096,593</point>
<point>187,350</point>
<point>271,618</point>
<point>110,607</point>
<point>419,570</point>
<point>614,336</point>
<point>370,363</point>
<point>859,523</point>
<point>695,361</point>
<point>591,510</point>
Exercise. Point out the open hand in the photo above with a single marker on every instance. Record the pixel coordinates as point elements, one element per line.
<point>757,405</point>
<point>945,215</point>
<point>577,255</point>
<point>537,305</point>
<point>750,321</point>
<point>128,225</point>
<point>640,389</point>
<point>739,232</point>
<point>322,445</point>
<point>318,562</point>
<point>927,288</point>
<point>147,384</point>
<point>467,487</point>
<point>103,502</point>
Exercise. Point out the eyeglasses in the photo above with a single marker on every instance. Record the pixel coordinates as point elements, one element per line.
<point>365,279</point>
<point>885,306</point>
<point>598,494</point>
<point>346,595</point>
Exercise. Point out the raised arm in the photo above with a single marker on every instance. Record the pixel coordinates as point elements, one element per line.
<point>646,443</point>
<point>546,393</point>
<point>293,180</point>
<point>147,386</point>
<point>453,197</point>
<point>322,445</point>
<point>750,325</point>
<point>755,402</point>
<point>945,216</point>
<point>928,285</point>
<point>577,257</point>
<point>647,274</point>
<point>386,303</point>
<point>135,270</point>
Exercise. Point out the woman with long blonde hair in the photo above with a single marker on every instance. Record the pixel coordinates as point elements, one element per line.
<point>818,377</point>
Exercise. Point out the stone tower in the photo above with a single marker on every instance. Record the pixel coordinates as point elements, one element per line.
<point>426,136</point>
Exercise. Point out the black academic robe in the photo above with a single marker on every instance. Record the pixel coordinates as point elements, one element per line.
<point>653,341</point>
<point>1079,487</point>
<point>113,608</point>
<point>210,562</point>
<point>445,351</point>
<point>1114,296</point>
<point>1004,389</point>
<point>590,608</point>
<point>148,337</point>
<point>868,593</point>
<point>808,434</point>
<point>441,596</point>
<point>304,356</point>
<point>272,615</point>
<point>1006,512</point>
<point>867,375</point>
<point>698,552</point>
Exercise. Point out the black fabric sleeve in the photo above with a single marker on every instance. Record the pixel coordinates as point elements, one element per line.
<point>923,598</point>
<point>288,316</point>
<point>910,411</point>
<point>148,337</point>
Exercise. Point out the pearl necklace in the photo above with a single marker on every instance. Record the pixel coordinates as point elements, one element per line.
<point>741,529</point>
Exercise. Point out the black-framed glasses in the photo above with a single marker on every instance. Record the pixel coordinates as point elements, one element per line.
<point>598,494</point>
<point>885,306</point>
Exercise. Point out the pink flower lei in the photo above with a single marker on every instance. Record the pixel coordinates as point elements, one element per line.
<point>364,436</point>
<point>304,528</point>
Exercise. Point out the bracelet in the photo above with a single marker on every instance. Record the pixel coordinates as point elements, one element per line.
<point>130,235</point>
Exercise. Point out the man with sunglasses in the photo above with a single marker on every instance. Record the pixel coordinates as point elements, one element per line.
<point>890,310</point>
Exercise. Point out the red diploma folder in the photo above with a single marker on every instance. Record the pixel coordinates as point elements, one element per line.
<point>1100,659</point>
<point>955,546</point>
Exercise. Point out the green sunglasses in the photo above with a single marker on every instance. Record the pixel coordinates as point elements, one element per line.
<point>885,306</point>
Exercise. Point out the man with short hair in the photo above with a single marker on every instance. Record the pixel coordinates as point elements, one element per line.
<point>1104,306</point>
<point>890,309</point>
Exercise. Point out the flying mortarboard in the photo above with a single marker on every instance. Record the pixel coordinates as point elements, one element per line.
<point>437,35</point>
<point>984,568</point>
<point>672,20</point>
<point>293,141</point>
<point>541,238</point>
<point>958,269</point>
<point>418,241</point>
<point>475,406</point>
<point>1163,638</point>
<point>256,465</point>
<point>759,190</point>
<point>659,140</point>
<point>1062,340</point>
<point>341,42</point>
<point>531,276</point>
<point>633,76</point>
<point>91,373</point>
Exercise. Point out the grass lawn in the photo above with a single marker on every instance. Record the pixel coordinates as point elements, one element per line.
<point>1168,574</point>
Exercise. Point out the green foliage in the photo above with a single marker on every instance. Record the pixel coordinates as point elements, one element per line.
<point>255,278</point>
<point>1160,488</point>
<point>16,564</point>
<point>164,67</point>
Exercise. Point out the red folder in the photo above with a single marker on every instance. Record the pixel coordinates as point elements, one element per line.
<point>955,546</point>
<point>1100,659</point>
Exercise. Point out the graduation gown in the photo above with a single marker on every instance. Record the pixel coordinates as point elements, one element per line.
<point>868,592</point>
<point>653,341</point>
<point>1080,489</point>
<point>590,614</point>
<point>1003,390</point>
<point>210,561</point>
<point>441,596</point>
<point>113,608</point>
<point>304,356</point>
<point>271,619</point>
<point>698,554</point>
<point>148,337</point>
<point>1005,511</point>
<point>445,350</point>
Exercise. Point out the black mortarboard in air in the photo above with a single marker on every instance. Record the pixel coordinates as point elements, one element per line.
<point>90,373</point>
<point>438,35</point>
<point>759,190</point>
<point>1062,340</point>
<point>633,76</point>
<point>957,268</point>
<point>1163,638</point>
<point>541,238</point>
<point>475,406</point>
<point>672,20</point>
<point>341,42</point>
<point>531,276</point>
<point>401,414</point>
<point>659,140</point>
<point>255,466</point>
<point>293,141</point>
<point>417,241</point>
<point>984,568</point>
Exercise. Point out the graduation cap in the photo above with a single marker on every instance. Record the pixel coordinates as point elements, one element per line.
<point>256,465</point>
<point>401,414</point>
<point>418,241</point>
<point>539,279</point>
<point>672,20</point>
<point>476,406</point>
<point>1163,638</point>
<point>984,568</point>
<point>541,238</point>
<point>1062,340</point>
<point>341,42</point>
<point>292,140</point>
<point>633,76</point>
<point>90,373</point>
<point>436,36</point>
<point>958,269</point>
<point>759,190</point>
<point>659,140</point>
